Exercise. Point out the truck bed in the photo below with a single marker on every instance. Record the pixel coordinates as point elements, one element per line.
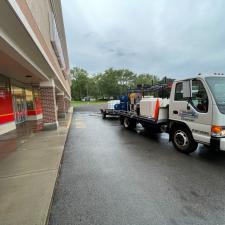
<point>140,119</point>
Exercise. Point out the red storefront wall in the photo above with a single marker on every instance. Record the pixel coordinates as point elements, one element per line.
<point>6,107</point>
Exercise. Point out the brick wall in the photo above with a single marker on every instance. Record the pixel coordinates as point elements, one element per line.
<point>48,101</point>
<point>61,103</point>
<point>67,104</point>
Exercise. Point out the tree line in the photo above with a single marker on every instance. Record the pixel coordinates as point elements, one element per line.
<point>110,83</point>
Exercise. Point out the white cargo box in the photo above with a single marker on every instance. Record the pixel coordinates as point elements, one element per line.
<point>112,103</point>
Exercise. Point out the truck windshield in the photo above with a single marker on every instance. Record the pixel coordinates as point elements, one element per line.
<point>217,87</point>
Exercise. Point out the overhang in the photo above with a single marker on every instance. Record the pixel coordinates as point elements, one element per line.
<point>18,42</point>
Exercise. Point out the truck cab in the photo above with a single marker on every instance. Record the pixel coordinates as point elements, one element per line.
<point>197,112</point>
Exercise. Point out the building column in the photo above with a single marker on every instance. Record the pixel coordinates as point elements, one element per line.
<point>49,108</point>
<point>67,103</point>
<point>61,103</point>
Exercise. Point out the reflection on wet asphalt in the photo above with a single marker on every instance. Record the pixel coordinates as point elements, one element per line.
<point>112,176</point>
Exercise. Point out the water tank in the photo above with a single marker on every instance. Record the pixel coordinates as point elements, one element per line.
<point>147,106</point>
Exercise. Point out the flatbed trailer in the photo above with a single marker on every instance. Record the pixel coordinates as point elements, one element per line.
<point>129,120</point>
<point>109,112</point>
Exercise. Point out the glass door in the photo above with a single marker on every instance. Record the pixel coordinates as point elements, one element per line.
<point>20,107</point>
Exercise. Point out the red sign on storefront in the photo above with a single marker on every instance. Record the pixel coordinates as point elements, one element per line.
<point>6,108</point>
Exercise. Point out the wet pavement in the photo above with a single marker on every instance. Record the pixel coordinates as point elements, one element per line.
<point>10,141</point>
<point>112,176</point>
<point>29,164</point>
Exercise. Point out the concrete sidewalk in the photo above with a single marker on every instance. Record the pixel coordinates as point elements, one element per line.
<point>28,175</point>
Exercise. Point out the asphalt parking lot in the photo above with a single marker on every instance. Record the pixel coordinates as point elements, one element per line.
<point>112,176</point>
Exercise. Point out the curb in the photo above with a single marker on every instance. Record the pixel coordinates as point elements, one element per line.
<point>71,110</point>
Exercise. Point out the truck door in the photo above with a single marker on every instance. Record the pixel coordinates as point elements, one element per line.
<point>195,112</point>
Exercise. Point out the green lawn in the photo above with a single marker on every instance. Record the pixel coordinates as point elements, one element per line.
<point>77,103</point>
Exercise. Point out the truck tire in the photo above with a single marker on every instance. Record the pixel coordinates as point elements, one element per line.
<point>183,141</point>
<point>121,120</point>
<point>129,123</point>
<point>103,115</point>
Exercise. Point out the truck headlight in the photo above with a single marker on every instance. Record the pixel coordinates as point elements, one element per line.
<point>217,131</point>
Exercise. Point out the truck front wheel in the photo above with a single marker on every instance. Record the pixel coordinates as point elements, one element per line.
<point>183,141</point>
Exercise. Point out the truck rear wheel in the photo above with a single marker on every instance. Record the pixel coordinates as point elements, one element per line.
<point>129,123</point>
<point>183,141</point>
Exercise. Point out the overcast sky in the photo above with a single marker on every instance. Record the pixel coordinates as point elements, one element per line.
<point>163,37</point>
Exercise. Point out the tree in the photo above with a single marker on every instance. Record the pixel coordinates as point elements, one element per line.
<point>108,83</point>
<point>115,82</point>
<point>93,87</point>
<point>126,79</point>
<point>80,83</point>
<point>111,83</point>
<point>146,79</point>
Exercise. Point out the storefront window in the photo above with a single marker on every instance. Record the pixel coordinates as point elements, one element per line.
<point>4,85</point>
<point>29,99</point>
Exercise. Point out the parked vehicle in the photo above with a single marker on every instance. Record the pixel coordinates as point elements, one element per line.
<point>193,113</point>
<point>88,99</point>
<point>111,109</point>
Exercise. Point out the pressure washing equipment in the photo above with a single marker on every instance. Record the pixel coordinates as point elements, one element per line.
<point>192,111</point>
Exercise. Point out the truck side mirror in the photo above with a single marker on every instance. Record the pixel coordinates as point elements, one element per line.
<point>187,86</point>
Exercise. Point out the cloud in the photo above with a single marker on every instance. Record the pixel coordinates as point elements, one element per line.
<point>176,38</point>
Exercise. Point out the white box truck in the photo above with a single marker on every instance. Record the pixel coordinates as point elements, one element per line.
<point>194,113</point>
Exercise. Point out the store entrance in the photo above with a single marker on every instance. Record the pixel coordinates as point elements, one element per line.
<point>19,103</point>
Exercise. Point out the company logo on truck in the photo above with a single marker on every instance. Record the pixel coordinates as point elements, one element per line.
<point>188,115</point>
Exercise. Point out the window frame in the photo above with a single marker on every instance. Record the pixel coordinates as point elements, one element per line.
<point>191,99</point>
<point>178,100</point>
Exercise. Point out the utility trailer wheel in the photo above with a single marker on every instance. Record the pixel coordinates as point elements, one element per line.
<point>129,123</point>
<point>183,141</point>
<point>121,120</point>
<point>103,115</point>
